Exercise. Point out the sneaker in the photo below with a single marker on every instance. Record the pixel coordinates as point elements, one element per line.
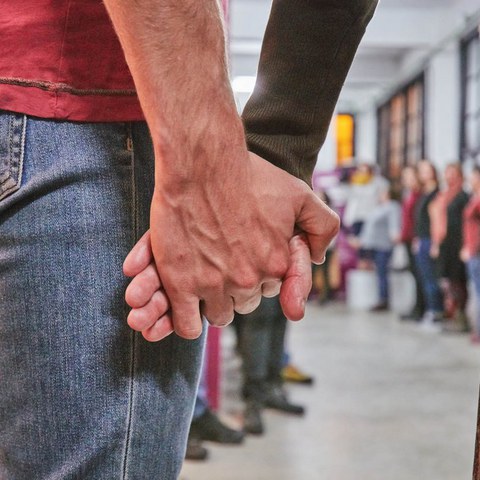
<point>209,427</point>
<point>431,322</point>
<point>290,373</point>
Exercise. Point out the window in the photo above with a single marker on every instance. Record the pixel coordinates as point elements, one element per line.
<point>345,135</point>
<point>470,121</point>
<point>400,123</point>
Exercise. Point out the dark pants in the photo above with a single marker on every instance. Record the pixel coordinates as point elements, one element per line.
<point>261,346</point>
<point>381,259</point>
<point>419,307</point>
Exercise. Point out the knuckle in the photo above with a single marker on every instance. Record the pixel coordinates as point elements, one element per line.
<point>247,281</point>
<point>188,332</point>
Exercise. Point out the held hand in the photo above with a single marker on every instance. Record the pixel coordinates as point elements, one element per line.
<point>150,307</point>
<point>221,241</point>
<point>434,251</point>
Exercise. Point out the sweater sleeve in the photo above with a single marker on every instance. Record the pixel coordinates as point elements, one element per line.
<point>307,51</point>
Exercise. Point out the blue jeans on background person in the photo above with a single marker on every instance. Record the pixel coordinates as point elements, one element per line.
<point>473,268</point>
<point>426,270</point>
<point>381,258</point>
<point>82,395</point>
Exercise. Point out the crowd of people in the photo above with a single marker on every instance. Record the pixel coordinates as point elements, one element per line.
<point>422,222</point>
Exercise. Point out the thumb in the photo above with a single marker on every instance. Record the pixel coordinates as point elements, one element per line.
<point>320,224</point>
<point>298,280</point>
<point>139,258</point>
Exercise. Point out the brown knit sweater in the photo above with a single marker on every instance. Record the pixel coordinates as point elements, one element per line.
<point>307,51</point>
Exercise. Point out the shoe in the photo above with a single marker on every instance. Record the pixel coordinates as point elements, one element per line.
<point>290,373</point>
<point>252,420</point>
<point>195,449</point>
<point>459,324</point>
<point>209,427</point>
<point>431,322</point>
<point>411,317</point>
<point>381,307</point>
<point>277,399</point>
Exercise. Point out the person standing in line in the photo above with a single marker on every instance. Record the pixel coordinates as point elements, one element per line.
<point>446,213</point>
<point>83,176</point>
<point>470,252</point>
<point>422,245</point>
<point>412,194</point>
<point>379,234</point>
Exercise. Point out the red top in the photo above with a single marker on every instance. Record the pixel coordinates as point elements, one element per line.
<point>471,226</point>
<point>62,59</point>
<point>408,216</point>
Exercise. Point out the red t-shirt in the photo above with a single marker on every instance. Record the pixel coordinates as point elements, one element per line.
<point>62,59</point>
<point>408,216</point>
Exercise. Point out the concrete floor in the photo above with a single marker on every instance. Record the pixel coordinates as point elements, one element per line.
<point>390,402</point>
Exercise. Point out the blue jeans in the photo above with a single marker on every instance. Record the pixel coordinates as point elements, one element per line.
<point>82,396</point>
<point>473,268</point>
<point>381,259</point>
<point>426,270</point>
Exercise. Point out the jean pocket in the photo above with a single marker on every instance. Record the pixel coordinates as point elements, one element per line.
<point>12,142</point>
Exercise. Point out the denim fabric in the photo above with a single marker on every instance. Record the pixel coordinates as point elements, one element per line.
<point>382,259</point>
<point>426,270</point>
<point>473,268</point>
<point>82,396</point>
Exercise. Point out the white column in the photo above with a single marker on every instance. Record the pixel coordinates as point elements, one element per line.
<point>327,158</point>
<point>366,135</point>
<point>443,107</point>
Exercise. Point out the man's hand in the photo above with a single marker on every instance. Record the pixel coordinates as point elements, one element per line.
<point>150,312</point>
<point>222,240</point>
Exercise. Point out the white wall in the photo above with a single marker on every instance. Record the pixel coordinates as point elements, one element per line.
<point>366,136</point>
<point>443,107</point>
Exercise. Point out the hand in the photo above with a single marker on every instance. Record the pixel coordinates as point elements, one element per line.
<point>221,241</point>
<point>434,251</point>
<point>150,306</point>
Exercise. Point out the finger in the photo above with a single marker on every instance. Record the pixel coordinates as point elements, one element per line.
<point>271,289</point>
<point>141,318</point>
<point>218,310</point>
<point>139,257</point>
<point>298,281</point>
<point>320,224</point>
<point>186,318</point>
<point>159,330</point>
<point>142,287</point>
<point>244,305</point>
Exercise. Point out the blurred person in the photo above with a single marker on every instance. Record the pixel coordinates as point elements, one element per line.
<point>379,234</point>
<point>262,352</point>
<point>365,188</point>
<point>470,252</point>
<point>422,245</point>
<point>446,213</point>
<point>412,194</point>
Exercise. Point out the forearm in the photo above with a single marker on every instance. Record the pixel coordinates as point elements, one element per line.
<point>175,50</point>
<point>307,51</point>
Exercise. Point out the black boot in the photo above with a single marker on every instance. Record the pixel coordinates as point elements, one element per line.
<point>252,422</point>
<point>277,399</point>
<point>195,449</point>
<point>209,427</point>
